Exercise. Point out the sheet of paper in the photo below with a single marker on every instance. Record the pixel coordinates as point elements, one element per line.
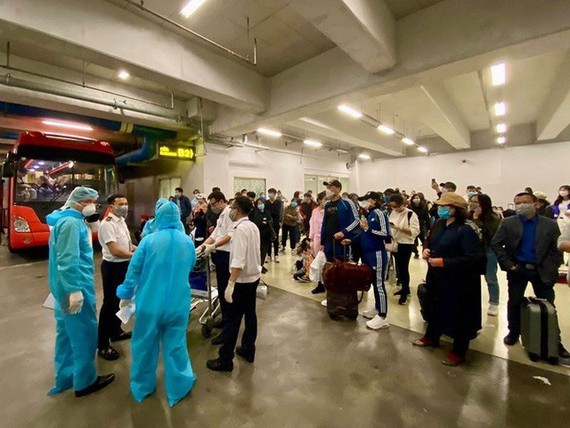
<point>126,313</point>
<point>49,303</point>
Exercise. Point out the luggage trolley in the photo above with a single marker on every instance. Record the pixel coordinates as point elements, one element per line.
<point>202,291</point>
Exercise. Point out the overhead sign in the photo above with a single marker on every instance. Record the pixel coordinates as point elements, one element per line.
<point>172,151</point>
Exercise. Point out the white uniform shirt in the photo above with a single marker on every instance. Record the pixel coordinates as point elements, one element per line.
<point>114,229</point>
<point>224,226</point>
<point>245,253</point>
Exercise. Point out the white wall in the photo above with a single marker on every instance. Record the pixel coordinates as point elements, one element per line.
<point>282,171</point>
<point>501,172</point>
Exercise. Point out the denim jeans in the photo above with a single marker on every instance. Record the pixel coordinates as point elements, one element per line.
<point>491,277</point>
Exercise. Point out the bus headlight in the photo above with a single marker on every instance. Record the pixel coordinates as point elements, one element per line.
<point>21,225</point>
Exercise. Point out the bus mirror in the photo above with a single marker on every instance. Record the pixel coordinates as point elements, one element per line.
<point>8,168</point>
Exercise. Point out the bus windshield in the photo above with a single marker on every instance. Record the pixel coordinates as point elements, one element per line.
<point>45,185</point>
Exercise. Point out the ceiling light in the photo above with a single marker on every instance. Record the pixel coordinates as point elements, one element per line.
<point>123,74</point>
<point>501,128</point>
<point>342,151</point>
<point>67,125</point>
<point>269,132</point>
<point>502,139</point>
<point>191,7</point>
<point>350,111</point>
<point>41,163</point>
<point>498,74</point>
<point>422,149</point>
<point>364,156</point>
<point>500,108</point>
<point>408,141</point>
<point>313,143</point>
<point>386,129</point>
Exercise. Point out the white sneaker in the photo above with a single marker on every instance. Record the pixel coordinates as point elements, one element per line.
<point>377,323</point>
<point>370,313</point>
<point>493,310</point>
<point>324,303</point>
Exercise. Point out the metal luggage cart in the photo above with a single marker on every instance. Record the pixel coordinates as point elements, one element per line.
<point>202,291</point>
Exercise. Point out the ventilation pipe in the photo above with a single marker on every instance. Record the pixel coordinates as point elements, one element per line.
<point>145,153</point>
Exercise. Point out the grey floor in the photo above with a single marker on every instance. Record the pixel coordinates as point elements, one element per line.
<point>309,372</point>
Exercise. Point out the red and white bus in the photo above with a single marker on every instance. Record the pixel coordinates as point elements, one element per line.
<point>40,173</point>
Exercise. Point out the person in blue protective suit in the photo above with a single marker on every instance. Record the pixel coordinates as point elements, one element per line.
<point>150,226</point>
<point>71,282</point>
<point>158,275</point>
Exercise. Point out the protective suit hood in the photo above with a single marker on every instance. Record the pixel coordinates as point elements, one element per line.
<point>55,216</point>
<point>159,203</point>
<point>167,216</point>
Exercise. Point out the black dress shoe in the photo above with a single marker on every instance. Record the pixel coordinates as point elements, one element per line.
<point>403,299</point>
<point>320,288</point>
<point>511,339</point>
<point>100,383</point>
<point>246,355</point>
<point>109,354</point>
<point>218,340</point>
<point>125,335</point>
<point>218,366</point>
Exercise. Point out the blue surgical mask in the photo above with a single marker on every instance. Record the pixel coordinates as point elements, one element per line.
<point>386,198</point>
<point>443,212</point>
<point>261,207</point>
<point>294,204</point>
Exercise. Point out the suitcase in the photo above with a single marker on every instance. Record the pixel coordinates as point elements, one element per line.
<point>425,299</point>
<point>539,330</point>
<point>342,304</point>
<point>347,276</point>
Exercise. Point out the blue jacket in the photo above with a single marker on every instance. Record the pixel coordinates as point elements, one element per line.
<point>347,219</point>
<point>70,255</point>
<point>373,239</point>
<point>185,206</point>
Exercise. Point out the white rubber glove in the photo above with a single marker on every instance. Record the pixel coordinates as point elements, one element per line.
<point>200,250</point>
<point>228,294</point>
<point>124,303</point>
<point>209,249</point>
<point>75,302</point>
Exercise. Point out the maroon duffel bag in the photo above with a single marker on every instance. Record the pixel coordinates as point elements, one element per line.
<point>347,276</point>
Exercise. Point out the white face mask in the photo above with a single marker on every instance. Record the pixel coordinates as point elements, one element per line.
<point>364,204</point>
<point>329,193</point>
<point>89,210</point>
<point>563,193</point>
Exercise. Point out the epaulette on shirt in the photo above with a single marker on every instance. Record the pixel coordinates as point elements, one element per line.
<point>108,218</point>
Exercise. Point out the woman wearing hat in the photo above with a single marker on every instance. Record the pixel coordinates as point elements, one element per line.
<point>455,257</point>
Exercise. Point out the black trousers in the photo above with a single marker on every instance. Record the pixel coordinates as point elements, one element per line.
<point>517,282</point>
<point>243,306</point>
<point>221,260</point>
<point>265,246</point>
<point>460,341</point>
<point>290,231</point>
<point>402,258</point>
<point>113,275</point>
<point>275,243</point>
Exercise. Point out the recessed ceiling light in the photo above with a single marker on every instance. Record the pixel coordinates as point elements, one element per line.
<point>408,141</point>
<point>191,7</point>
<point>123,74</point>
<point>422,149</point>
<point>313,143</point>
<point>502,139</point>
<point>500,108</point>
<point>350,111</point>
<point>501,128</point>
<point>386,129</point>
<point>364,156</point>
<point>269,132</point>
<point>67,125</point>
<point>498,74</point>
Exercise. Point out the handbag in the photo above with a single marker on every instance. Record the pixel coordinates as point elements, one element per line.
<point>316,268</point>
<point>347,276</point>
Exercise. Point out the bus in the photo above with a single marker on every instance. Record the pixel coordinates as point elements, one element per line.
<point>40,172</point>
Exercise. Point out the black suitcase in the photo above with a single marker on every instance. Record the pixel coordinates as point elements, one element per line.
<point>342,304</point>
<point>539,330</point>
<point>426,301</point>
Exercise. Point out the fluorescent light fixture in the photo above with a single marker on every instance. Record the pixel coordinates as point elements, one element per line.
<point>313,143</point>
<point>502,139</point>
<point>364,156</point>
<point>70,164</point>
<point>342,151</point>
<point>498,74</point>
<point>502,128</point>
<point>67,125</point>
<point>500,108</point>
<point>123,74</point>
<point>408,141</point>
<point>191,7</point>
<point>41,163</point>
<point>422,149</point>
<point>350,111</point>
<point>269,132</point>
<point>386,129</point>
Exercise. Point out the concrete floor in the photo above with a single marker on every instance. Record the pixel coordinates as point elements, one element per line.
<point>309,372</point>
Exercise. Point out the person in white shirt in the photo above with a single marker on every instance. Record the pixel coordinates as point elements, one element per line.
<point>115,240</point>
<point>405,226</point>
<point>245,265</point>
<point>218,244</point>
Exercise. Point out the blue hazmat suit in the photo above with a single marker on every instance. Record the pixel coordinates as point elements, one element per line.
<point>150,226</point>
<point>158,275</point>
<point>71,269</point>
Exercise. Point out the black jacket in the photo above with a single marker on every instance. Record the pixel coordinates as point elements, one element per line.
<point>264,223</point>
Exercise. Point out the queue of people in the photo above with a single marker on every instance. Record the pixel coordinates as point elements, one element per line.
<point>463,237</point>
